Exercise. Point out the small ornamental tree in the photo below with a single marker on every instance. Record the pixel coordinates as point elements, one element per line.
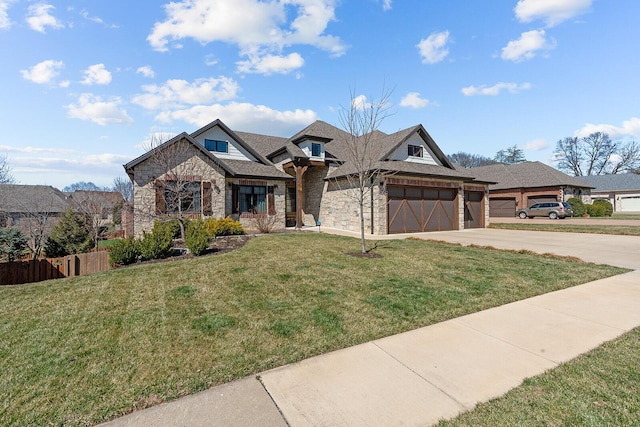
<point>70,236</point>
<point>577,207</point>
<point>608,207</point>
<point>197,238</point>
<point>13,244</point>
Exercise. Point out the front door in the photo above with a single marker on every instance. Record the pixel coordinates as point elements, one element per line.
<point>290,200</point>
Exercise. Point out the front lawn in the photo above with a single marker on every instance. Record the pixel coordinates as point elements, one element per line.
<point>87,349</point>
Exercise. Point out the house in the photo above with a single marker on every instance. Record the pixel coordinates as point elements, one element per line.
<point>33,209</point>
<point>97,205</point>
<point>622,191</point>
<point>523,184</point>
<point>305,180</point>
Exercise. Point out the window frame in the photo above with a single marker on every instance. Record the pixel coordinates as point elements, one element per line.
<point>415,150</point>
<point>314,146</point>
<point>216,145</point>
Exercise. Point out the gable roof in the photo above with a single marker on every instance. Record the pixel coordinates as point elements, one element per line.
<point>234,168</point>
<point>233,135</point>
<point>524,175</point>
<point>32,198</point>
<point>616,182</point>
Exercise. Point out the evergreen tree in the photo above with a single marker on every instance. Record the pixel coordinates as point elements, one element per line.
<point>70,236</point>
<point>13,244</point>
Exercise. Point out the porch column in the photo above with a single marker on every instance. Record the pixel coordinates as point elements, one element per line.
<point>300,170</point>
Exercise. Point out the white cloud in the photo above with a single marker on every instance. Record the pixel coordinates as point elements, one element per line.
<point>269,64</point>
<point>96,75</point>
<point>146,71</point>
<point>536,145</point>
<point>39,18</point>
<point>434,48</point>
<point>266,30</point>
<point>527,46</point>
<point>552,12</point>
<point>178,93</point>
<point>92,108</point>
<point>629,128</point>
<point>386,4</point>
<point>413,100</point>
<point>360,102</point>
<point>245,117</point>
<point>48,150</point>
<point>5,21</point>
<point>495,89</point>
<point>88,17</point>
<point>43,72</point>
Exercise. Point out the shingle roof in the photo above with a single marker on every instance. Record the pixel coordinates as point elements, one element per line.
<point>523,175</point>
<point>106,199</point>
<point>243,168</point>
<point>32,198</point>
<point>411,168</point>
<point>618,182</point>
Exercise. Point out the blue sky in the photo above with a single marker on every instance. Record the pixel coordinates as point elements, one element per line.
<point>87,84</point>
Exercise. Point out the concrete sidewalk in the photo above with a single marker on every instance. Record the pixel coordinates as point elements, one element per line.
<point>421,376</point>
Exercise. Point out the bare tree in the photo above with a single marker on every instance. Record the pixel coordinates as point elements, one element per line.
<point>97,208</point>
<point>125,187</point>
<point>6,177</point>
<point>467,160</point>
<point>510,156</point>
<point>362,147</point>
<point>181,193</point>
<point>596,154</point>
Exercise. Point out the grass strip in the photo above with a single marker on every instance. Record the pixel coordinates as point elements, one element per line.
<point>598,388</point>
<point>623,230</point>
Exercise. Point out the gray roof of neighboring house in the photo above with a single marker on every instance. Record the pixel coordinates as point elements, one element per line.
<point>106,199</point>
<point>525,175</point>
<point>618,182</point>
<point>32,198</point>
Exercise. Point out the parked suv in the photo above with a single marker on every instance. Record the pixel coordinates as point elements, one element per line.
<point>553,210</point>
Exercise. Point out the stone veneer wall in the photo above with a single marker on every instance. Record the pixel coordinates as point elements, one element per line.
<point>191,162</point>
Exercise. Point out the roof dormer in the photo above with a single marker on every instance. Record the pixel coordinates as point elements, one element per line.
<point>312,146</point>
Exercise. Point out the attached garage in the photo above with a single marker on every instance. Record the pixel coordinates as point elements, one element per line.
<point>502,207</point>
<point>630,204</point>
<point>532,200</point>
<point>417,209</point>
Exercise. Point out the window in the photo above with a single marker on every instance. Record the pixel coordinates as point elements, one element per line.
<point>316,150</point>
<point>415,150</point>
<point>252,199</point>
<point>217,146</point>
<point>182,197</point>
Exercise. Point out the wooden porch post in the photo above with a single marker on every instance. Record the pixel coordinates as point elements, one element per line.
<point>300,170</point>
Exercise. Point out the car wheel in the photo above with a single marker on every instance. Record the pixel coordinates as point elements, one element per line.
<point>522,215</point>
<point>553,215</point>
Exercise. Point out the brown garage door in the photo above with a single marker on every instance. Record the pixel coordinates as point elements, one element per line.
<point>473,209</point>
<point>541,199</point>
<point>416,209</point>
<point>502,208</point>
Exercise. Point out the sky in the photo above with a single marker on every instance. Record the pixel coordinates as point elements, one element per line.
<point>87,85</point>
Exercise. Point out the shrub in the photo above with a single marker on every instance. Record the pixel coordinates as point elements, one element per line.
<point>608,207</point>
<point>264,223</point>
<point>124,252</point>
<point>223,227</point>
<point>13,244</point>
<point>157,244</point>
<point>595,210</point>
<point>577,206</point>
<point>70,236</point>
<point>196,237</point>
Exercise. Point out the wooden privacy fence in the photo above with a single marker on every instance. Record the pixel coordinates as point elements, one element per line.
<point>37,270</point>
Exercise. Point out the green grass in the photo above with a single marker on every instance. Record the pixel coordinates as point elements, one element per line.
<point>599,388</point>
<point>83,350</point>
<point>107,243</point>
<point>567,227</point>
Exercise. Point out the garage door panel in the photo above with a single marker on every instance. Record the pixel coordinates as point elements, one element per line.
<point>413,209</point>
<point>630,204</point>
<point>502,208</point>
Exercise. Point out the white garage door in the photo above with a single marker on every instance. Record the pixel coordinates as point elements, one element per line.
<point>630,204</point>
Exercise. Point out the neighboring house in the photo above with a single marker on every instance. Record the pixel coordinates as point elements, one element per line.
<point>97,205</point>
<point>523,184</point>
<point>303,180</point>
<point>623,190</point>
<point>33,209</point>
